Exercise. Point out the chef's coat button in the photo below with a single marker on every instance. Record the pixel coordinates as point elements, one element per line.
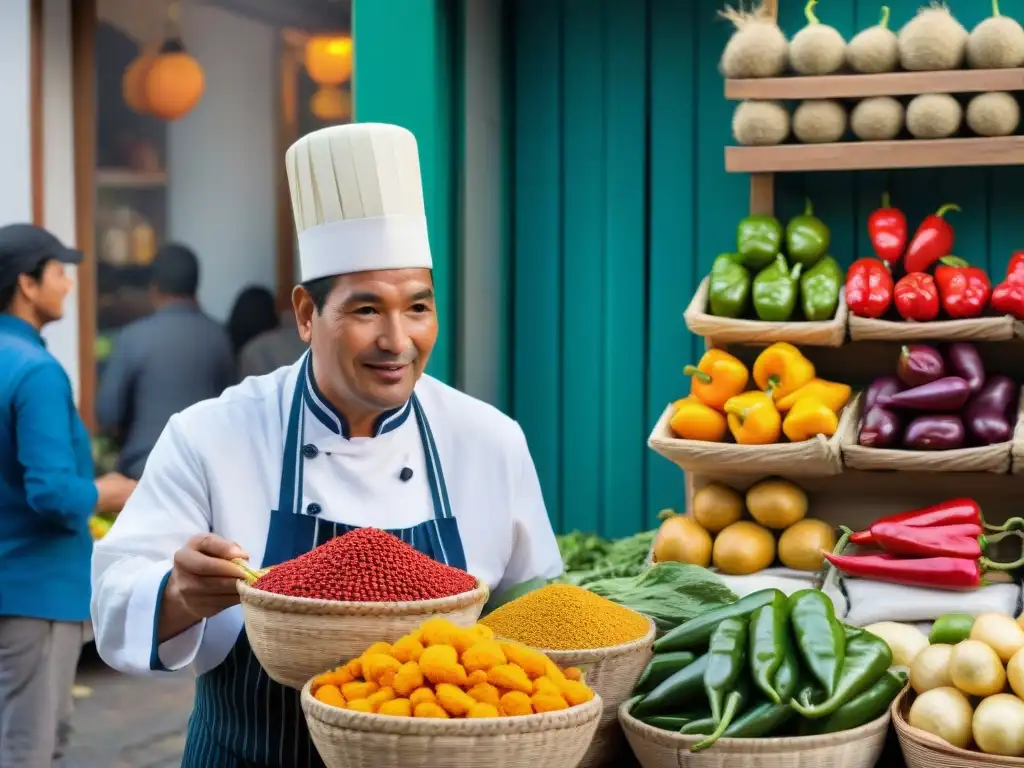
<point>310,451</point>
<point>314,509</point>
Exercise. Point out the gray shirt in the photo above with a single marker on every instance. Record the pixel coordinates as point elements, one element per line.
<point>272,349</point>
<point>159,366</point>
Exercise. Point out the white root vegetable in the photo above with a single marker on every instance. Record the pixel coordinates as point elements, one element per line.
<point>998,725</point>
<point>817,49</point>
<point>933,116</point>
<point>1000,633</point>
<point>879,118</point>
<point>943,712</point>
<point>976,669</point>
<point>875,49</point>
<point>933,40</point>
<point>930,668</point>
<point>905,641</point>
<point>819,121</point>
<point>757,48</point>
<point>996,43</point>
<point>760,123</point>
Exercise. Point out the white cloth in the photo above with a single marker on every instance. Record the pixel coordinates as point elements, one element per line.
<point>217,468</point>
<point>873,601</point>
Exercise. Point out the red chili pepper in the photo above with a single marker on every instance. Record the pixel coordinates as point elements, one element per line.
<point>932,241</point>
<point>887,228</point>
<point>964,289</point>
<point>1008,297</point>
<point>965,540</point>
<point>917,297</point>
<point>934,572</point>
<point>868,288</point>
<point>953,512</point>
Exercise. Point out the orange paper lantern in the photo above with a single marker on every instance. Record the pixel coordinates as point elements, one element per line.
<point>133,82</point>
<point>174,83</point>
<point>328,60</point>
<point>331,104</point>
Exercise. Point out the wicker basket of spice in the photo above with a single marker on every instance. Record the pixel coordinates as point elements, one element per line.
<point>610,645</point>
<point>325,607</point>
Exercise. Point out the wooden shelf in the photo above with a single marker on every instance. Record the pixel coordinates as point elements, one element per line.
<point>876,155</point>
<point>798,88</point>
<point>126,178</point>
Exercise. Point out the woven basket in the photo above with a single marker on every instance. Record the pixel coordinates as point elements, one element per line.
<point>726,330</point>
<point>656,748</point>
<point>612,674</point>
<point>994,458</point>
<point>1002,328</point>
<point>347,739</point>
<point>819,456</point>
<point>922,750</point>
<point>295,638</point>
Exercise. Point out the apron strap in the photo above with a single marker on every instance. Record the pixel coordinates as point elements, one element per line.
<point>435,475</point>
<point>290,492</point>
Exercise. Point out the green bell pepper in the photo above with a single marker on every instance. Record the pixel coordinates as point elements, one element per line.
<point>727,656</point>
<point>775,291</point>
<point>758,240</point>
<point>862,709</point>
<point>951,629</point>
<point>661,668</point>
<point>867,658</point>
<point>807,237</point>
<point>684,689</point>
<point>819,289</point>
<point>728,287</point>
<point>694,634</point>
<point>820,637</point>
<point>769,642</point>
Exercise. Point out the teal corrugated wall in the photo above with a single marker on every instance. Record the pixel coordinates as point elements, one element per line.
<point>621,202</point>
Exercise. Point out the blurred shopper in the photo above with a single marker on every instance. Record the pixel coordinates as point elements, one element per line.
<point>47,493</point>
<point>272,349</point>
<point>163,363</point>
<point>253,313</point>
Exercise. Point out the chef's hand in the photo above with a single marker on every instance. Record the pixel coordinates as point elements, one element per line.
<point>202,583</point>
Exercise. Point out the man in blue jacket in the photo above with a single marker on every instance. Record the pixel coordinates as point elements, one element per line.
<point>47,493</point>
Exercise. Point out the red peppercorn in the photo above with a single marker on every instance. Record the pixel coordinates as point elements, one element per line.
<point>366,565</point>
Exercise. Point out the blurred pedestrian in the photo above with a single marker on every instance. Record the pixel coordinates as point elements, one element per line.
<point>272,349</point>
<point>47,494</point>
<point>163,363</point>
<point>252,314</point>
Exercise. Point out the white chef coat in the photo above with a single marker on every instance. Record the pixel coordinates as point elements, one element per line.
<point>217,467</point>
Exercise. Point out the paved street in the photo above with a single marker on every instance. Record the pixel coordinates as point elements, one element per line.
<point>127,722</point>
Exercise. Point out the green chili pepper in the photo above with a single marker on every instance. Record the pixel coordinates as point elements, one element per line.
<point>694,634</point>
<point>670,722</point>
<point>727,655</point>
<point>819,289</point>
<point>701,727</point>
<point>762,720</point>
<point>735,703</point>
<point>684,689</point>
<point>951,629</point>
<point>661,668</point>
<point>758,240</point>
<point>807,237</point>
<point>769,640</point>
<point>867,658</point>
<point>728,286</point>
<point>819,636</point>
<point>866,707</point>
<point>775,291</point>
<point>787,679</point>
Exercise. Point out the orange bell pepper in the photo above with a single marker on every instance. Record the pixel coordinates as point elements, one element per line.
<point>717,377</point>
<point>695,420</point>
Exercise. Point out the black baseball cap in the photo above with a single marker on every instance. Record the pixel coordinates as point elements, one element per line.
<point>23,247</point>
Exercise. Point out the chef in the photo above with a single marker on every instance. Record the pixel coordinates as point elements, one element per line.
<point>352,435</point>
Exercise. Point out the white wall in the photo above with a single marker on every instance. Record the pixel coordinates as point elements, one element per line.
<point>15,137</point>
<point>222,157</point>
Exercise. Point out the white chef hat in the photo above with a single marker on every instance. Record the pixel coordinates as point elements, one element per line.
<point>358,200</point>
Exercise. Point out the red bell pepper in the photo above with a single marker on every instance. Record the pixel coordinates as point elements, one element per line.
<point>1008,297</point>
<point>917,297</point>
<point>956,573</point>
<point>887,229</point>
<point>952,512</point>
<point>964,289</point>
<point>932,241</point>
<point>868,288</point>
<point>964,540</point>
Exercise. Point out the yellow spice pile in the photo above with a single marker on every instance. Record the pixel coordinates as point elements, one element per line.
<point>561,617</point>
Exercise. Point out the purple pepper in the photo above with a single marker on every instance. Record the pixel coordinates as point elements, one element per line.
<point>884,385</point>
<point>965,362</point>
<point>920,364</point>
<point>989,415</point>
<point>934,433</point>
<point>880,429</point>
<point>946,395</point>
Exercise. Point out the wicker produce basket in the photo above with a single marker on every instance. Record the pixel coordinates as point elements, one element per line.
<point>655,748</point>
<point>347,739</point>
<point>295,638</point>
<point>726,330</point>
<point>819,456</point>
<point>994,458</point>
<point>612,674</point>
<point>922,750</point>
<point>1002,328</point>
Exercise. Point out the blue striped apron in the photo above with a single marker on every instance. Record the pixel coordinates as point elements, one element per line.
<point>242,718</point>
